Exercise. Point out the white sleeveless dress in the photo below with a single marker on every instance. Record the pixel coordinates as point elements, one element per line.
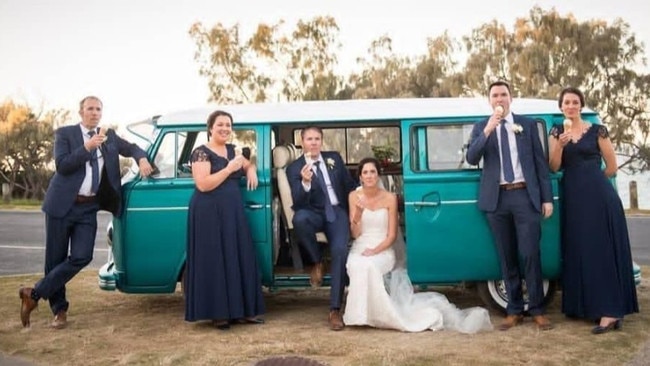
<point>382,296</point>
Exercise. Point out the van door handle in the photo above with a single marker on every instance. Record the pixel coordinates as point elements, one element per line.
<point>254,206</point>
<point>417,206</point>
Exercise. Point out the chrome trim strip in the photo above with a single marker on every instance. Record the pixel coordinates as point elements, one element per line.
<point>157,208</point>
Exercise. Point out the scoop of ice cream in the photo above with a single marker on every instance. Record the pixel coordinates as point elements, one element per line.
<point>567,124</point>
<point>499,109</point>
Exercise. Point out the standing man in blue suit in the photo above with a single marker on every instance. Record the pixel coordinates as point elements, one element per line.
<point>320,184</point>
<point>515,193</point>
<point>87,179</point>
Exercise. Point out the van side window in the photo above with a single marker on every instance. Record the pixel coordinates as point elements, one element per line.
<point>243,138</point>
<point>357,143</point>
<point>246,139</point>
<point>166,156</point>
<point>441,147</point>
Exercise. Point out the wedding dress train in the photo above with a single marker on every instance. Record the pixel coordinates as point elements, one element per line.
<point>382,296</point>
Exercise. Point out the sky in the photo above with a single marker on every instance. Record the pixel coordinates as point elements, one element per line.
<point>138,57</point>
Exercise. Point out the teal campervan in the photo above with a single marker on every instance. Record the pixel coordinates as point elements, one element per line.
<point>423,142</point>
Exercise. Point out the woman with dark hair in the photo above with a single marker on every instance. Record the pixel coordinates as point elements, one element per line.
<point>597,277</point>
<point>222,283</point>
<point>373,224</point>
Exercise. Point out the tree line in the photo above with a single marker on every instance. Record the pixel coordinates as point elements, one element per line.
<point>540,54</point>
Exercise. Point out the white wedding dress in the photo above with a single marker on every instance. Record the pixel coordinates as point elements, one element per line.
<point>382,296</point>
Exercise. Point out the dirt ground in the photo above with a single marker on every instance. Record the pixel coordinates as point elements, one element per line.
<point>111,328</point>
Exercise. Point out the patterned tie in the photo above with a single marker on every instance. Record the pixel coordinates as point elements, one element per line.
<point>94,166</point>
<point>330,216</point>
<point>506,163</point>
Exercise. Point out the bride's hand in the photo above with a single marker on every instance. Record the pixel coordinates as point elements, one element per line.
<point>361,203</point>
<point>369,252</point>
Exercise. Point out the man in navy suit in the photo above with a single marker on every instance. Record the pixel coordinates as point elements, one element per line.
<point>320,184</point>
<point>515,193</point>
<point>87,179</point>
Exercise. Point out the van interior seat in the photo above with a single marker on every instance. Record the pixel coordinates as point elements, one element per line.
<point>283,155</point>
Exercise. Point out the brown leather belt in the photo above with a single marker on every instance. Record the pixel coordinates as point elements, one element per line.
<point>84,199</point>
<point>511,186</point>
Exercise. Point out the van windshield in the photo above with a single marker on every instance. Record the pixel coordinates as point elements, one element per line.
<point>142,133</point>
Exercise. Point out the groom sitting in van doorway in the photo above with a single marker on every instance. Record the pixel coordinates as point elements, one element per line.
<point>320,184</point>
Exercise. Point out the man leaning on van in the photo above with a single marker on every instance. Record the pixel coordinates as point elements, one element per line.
<point>515,174</point>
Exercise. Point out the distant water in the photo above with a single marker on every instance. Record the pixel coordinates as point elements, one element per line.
<point>642,187</point>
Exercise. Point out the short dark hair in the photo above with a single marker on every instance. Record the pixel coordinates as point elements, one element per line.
<point>571,90</point>
<point>365,161</point>
<point>311,127</point>
<point>213,117</point>
<point>499,83</point>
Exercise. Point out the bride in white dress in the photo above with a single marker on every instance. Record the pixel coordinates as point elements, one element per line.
<point>380,293</point>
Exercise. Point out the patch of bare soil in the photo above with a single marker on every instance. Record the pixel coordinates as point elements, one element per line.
<point>111,328</point>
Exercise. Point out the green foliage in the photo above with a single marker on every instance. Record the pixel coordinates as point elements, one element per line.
<point>26,148</point>
<point>539,55</point>
<point>271,65</point>
<point>384,153</point>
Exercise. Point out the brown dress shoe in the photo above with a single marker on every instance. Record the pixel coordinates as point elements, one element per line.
<point>542,322</point>
<point>336,320</point>
<point>511,321</point>
<point>27,304</point>
<point>60,320</point>
<point>316,276</point>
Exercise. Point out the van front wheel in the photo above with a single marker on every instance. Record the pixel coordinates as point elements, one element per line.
<point>494,296</point>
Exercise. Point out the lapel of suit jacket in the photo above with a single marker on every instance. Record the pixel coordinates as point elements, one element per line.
<point>518,138</point>
<point>78,135</point>
<point>492,138</point>
<point>330,172</point>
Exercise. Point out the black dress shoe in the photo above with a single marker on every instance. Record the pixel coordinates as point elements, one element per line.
<point>221,324</point>
<point>615,325</point>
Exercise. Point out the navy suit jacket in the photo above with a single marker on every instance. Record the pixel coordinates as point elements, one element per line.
<point>315,198</point>
<point>531,156</point>
<point>70,158</point>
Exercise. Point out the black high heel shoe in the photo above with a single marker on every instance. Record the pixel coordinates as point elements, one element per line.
<point>615,325</point>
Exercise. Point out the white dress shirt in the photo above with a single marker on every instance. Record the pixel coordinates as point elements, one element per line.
<point>86,185</point>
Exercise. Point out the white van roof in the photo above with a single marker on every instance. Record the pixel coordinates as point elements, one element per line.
<point>359,110</point>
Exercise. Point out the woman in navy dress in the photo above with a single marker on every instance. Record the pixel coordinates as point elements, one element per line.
<point>597,278</point>
<point>223,283</point>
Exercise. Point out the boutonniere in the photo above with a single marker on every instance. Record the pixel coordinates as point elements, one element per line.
<point>330,163</point>
<point>516,128</point>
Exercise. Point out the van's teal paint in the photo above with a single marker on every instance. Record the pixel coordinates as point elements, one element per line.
<point>447,238</point>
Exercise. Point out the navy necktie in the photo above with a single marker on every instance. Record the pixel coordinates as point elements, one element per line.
<point>330,216</point>
<point>506,163</point>
<point>94,167</point>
